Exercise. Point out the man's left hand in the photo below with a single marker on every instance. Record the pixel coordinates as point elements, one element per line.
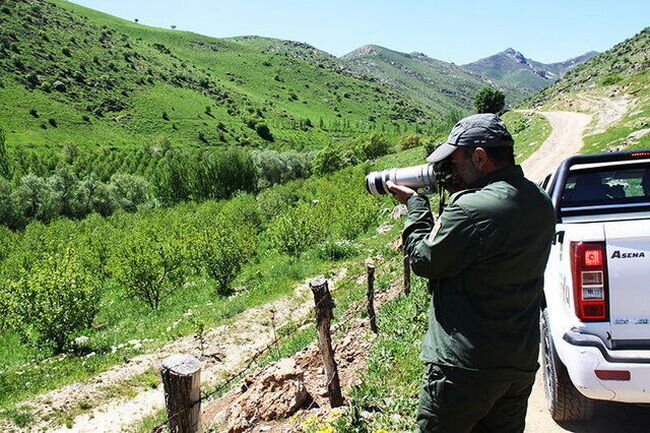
<point>400,193</point>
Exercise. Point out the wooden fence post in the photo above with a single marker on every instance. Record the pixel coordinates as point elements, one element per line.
<point>407,274</point>
<point>181,376</point>
<point>371,297</point>
<point>324,306</point>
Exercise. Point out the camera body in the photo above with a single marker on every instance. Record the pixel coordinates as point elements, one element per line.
<point>428,177</point>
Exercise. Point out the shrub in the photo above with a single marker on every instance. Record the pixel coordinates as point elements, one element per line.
<point>264,131</point>
<point>329,159</point>
<point>374,146</point>
<point>222,250</point>
<point>34,113</point>
<point>409,141</point>
<point>131,192</point>
<point>297,230</point>
<point>610,79</point>
<point>4,157</point>
<point>7,304</point>
<point>52,122</point>
<point>35,198</point>
<point>150,264</point>
<point>274,201</point>
<point>6,208</point>
<point>274,168</point>
<point>56,299</point>
<point>336,250</point>
<point>489,100</point>
<point>58,86</point>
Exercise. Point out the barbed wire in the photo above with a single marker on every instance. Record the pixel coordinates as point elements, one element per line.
<point>340,285</point>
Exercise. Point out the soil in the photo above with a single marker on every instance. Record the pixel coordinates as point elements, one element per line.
<point>226,350</point>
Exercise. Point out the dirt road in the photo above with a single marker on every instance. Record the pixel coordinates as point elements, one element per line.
<point>566,140</point>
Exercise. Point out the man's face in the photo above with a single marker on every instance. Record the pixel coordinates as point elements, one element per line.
<point>463,168</point>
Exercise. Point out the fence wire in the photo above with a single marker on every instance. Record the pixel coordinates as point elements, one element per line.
<point>358,307</point>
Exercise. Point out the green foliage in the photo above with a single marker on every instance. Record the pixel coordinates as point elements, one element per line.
<point>336,250</point>
<point>264,131</point>
<point>297,230</point>
<point>274,201</point>
<point>130,192</point>
<point>409,141</point>
<point>68,63</point>
<point>150,264</point>
<point>329,160</point>
<point>528,130</point>
<point>274,167</point>
<point>4,158</point>
<point>489,100</point>
<point>391,382</point>
<point>36,198</point>
<point>56,299</point>
<point>374,146</point>
<point>222,250</point>
<point>610,79</point>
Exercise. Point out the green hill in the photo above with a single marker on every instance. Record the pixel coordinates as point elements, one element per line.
<point>512,67</point>
<point>71,75</point>
<point>613,86</point>
<point>439,85</point>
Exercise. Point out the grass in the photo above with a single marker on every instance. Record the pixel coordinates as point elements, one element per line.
<point>347,294</point>
<point>127,84</point>
<point>637,118</point>
<point>388,392</point>
<point>129,328</point>
<point>529,132</point>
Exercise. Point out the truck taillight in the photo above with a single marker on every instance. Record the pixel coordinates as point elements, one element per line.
<point>589,271</point>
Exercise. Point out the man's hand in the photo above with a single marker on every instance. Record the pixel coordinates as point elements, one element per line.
<point>400,193</point>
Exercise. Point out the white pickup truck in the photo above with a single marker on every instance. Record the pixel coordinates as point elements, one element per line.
<point>596,309</point>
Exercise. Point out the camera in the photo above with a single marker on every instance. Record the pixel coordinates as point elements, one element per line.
<point>426,176</point>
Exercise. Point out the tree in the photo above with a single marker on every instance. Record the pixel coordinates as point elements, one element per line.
<point>4,158</point>
<point>489,100</point>
<point>36,198</point>
<point>130,192</point>
<point>173,27</point>
<point>222,250</point>
<point>150,264</point>
<point>56,298</point>
<point>136,20</point>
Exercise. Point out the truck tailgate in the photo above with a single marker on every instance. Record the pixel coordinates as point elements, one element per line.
<point>628,267</point>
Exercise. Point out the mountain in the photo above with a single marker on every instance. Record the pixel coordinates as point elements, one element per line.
<point>510,66</point>
<point>614,87</point>
<point>72,75</point>
<point>439,85</point>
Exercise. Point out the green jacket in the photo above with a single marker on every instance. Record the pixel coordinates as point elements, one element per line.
<point>485,260</point>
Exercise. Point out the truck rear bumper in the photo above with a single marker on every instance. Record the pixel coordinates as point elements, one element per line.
<point>587,353</point>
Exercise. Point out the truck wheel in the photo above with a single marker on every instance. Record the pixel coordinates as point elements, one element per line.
<point>563,400</point>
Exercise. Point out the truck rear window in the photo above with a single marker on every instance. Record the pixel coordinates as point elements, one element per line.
<point>607,185</point>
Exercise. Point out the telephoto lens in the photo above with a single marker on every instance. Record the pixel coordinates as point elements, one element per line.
<point>419,176</point>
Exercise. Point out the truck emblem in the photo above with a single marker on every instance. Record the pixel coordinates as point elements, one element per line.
<point>619,255</point>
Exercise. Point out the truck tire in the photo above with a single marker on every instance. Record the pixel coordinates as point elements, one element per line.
<point>563,400</point>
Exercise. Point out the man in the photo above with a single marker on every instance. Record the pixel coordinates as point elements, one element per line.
<point>484,259</point>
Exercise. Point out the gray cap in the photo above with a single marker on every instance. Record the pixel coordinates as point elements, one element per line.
<point>479,130</point>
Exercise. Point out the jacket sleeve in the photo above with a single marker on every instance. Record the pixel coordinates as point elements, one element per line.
<point>440,250</point>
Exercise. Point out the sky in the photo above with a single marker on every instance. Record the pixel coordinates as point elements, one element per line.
<point>459,31</point>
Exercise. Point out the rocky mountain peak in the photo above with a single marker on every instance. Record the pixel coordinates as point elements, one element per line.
<point>516,56</point>
<point>366,50</point>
